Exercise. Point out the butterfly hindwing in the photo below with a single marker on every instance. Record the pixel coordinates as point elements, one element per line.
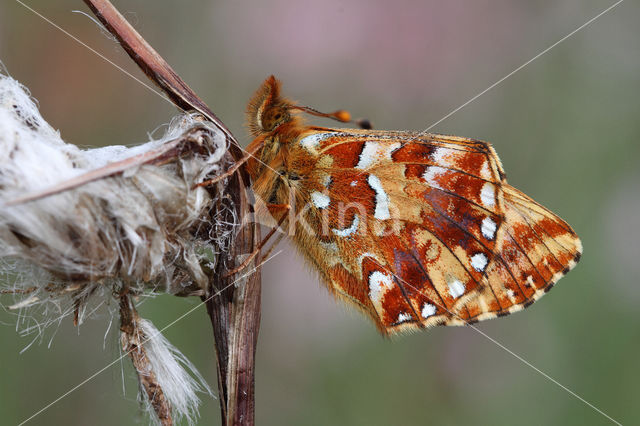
<point>423,229</point>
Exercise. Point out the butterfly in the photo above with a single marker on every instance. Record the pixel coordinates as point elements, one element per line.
<point>412,229</point>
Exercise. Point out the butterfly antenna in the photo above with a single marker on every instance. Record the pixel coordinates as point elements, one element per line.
<point>339,115</point>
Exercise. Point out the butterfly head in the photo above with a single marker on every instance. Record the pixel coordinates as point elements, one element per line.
<point>267,110</point>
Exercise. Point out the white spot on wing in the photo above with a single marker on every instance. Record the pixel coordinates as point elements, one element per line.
<point>350,230</point>
<point>529,281</point>
<point>439,155</point>
<point>382,200</point>
<point>479,262</point>
<point>367,156</point>
<point>484,171</point>
<point>456,288</point>
<point>488,194</point>
<point>374,151</point>
<point>353,183</point>
<point>403,317</point>
<point>379,284</point>
<point>312,141</point>
<point>488,228</point>
<point>431,174</point>
<point>320,200</point>
<point>427,310</point>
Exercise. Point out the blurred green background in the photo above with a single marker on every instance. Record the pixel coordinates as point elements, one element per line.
<point>566,127</point>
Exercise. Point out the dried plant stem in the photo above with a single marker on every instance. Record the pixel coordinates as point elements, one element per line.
<point>133,339</point>
<point>235,316</point>
<point>235,312</point>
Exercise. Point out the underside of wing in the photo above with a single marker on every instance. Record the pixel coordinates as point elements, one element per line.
<point>421,230</point>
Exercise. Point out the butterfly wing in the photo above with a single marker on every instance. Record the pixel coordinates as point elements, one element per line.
<point>418,230</point>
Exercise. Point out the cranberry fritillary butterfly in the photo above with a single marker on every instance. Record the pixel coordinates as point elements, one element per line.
<point>413,229</point>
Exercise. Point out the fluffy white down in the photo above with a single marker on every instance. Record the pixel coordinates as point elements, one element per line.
<point>124,226</point>
<point>172,370</point>
<point>135,227</point>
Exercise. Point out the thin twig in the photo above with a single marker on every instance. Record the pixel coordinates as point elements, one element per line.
<point>133,339</point>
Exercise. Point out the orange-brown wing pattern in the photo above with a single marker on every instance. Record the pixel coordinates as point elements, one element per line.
<point>418,230</point>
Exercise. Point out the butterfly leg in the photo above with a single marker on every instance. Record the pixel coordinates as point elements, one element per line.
<point>248,155</point>
<point>285,208</point>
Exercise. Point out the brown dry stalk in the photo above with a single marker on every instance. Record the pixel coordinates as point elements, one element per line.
<point>133,339</point>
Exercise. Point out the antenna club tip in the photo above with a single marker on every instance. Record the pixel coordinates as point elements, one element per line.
<point>342,115</point>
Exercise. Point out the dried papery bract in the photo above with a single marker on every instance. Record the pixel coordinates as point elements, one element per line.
<point>78,227</point>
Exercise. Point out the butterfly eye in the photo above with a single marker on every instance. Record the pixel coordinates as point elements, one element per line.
<point>273,118</point>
